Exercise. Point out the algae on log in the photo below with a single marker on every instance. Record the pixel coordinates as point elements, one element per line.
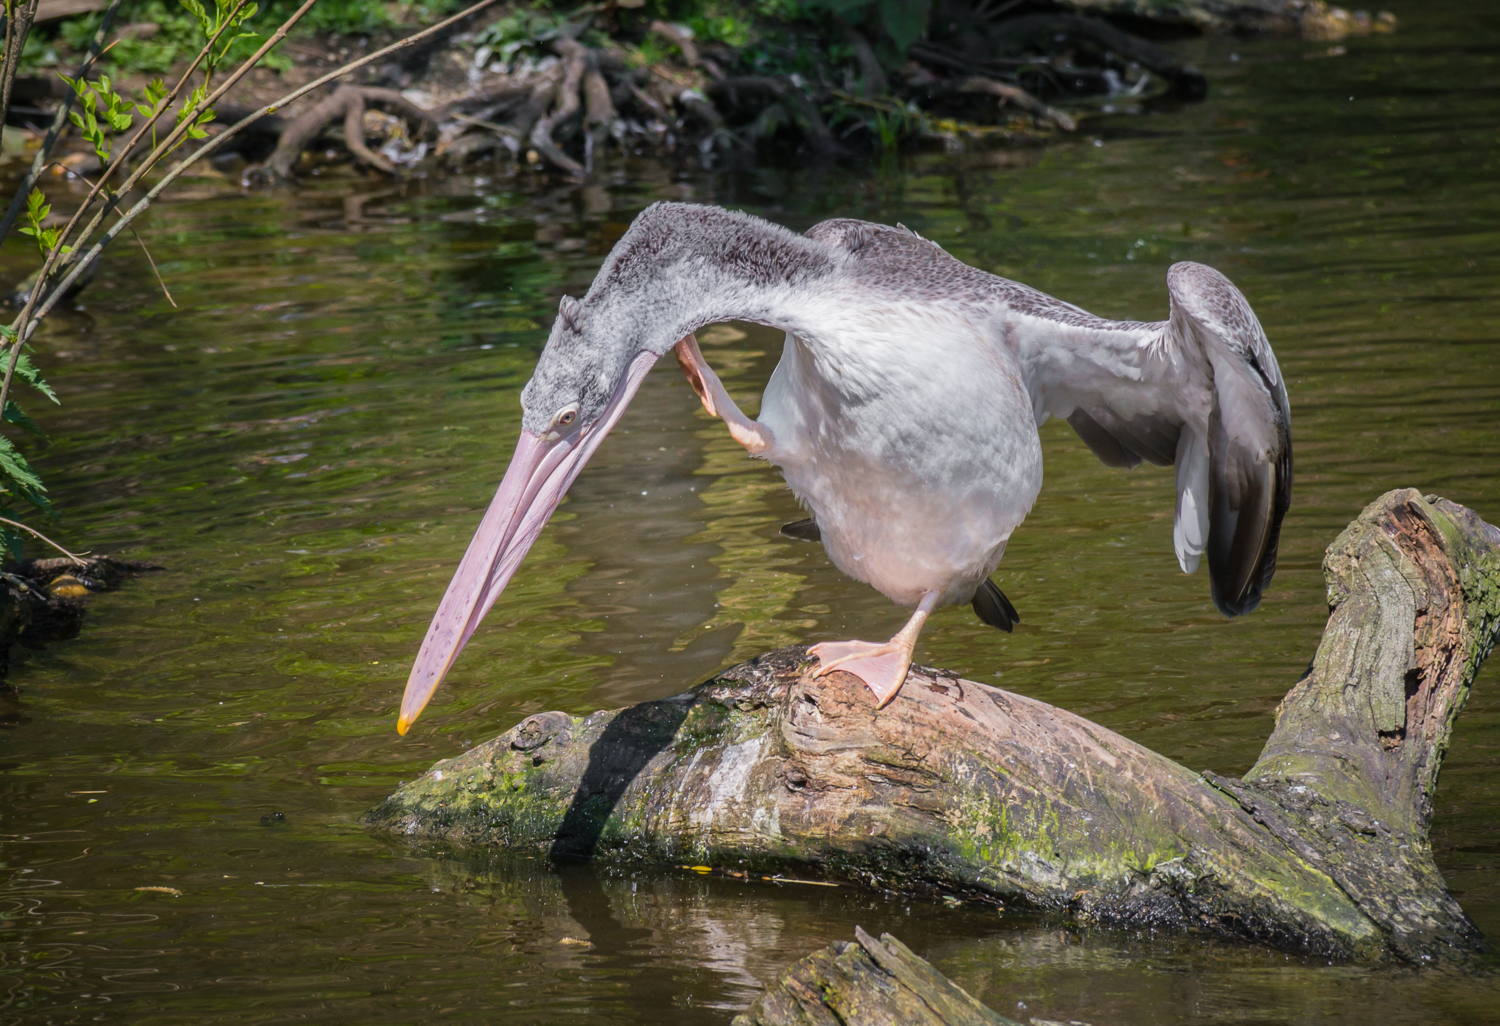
<point>962,789</point>
<point>869,981</point>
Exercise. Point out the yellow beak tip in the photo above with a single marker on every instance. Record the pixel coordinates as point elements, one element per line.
<point>403,725</point>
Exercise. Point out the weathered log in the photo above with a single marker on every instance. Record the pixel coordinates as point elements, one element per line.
<point>869,981</point>
<point>961,789</point>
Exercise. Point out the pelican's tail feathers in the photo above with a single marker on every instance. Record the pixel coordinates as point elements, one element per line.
<point>993,608</point>
<point>802,530</point>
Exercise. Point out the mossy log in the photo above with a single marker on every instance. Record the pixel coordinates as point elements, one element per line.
<point>961,789</point>
<point>869,981</point>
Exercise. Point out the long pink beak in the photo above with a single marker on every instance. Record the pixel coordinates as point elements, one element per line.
<point>538,477</point>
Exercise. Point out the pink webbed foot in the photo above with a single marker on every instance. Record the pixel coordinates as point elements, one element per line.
<point>881,666</point>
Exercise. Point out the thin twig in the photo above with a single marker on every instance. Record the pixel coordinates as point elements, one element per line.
<point>43,537</point>
<point>159,280</point>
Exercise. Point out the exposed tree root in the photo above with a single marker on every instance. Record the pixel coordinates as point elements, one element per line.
<point>348,102</point>
<point>569,100</point>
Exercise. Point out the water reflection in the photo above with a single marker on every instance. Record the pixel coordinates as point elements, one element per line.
<point>308,443</point>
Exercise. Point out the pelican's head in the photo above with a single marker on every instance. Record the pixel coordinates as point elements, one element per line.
<point>587,375</point>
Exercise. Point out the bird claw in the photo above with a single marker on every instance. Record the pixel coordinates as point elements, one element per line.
<point>881,666</point>
<point>690,359</point>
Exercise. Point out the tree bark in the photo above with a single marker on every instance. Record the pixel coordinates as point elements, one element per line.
<point>962,789</point>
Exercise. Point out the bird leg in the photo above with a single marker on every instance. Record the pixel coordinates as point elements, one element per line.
<point>881,666</point>
<point>752,434</point>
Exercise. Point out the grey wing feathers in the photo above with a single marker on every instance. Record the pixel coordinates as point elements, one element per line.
<point>1249,443</point>
<point>1202,392</point>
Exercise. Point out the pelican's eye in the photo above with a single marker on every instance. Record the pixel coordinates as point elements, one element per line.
<point>565,417</point>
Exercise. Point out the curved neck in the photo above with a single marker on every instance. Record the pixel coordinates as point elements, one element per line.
<point>680,267</point>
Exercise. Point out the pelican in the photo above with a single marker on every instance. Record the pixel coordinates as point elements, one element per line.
<point>903,414</point>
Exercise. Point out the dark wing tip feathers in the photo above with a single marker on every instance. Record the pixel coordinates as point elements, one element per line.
<point>993,608</point>
<point>1249,492</point>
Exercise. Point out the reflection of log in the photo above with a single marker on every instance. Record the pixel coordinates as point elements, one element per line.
<point>963,789</point>
<point>868,981</point>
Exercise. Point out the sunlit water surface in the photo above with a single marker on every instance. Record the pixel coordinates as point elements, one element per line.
<point>306,445</point>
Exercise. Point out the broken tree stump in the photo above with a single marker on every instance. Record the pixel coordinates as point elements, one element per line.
<point>962,789</point>
<point>868,982</point>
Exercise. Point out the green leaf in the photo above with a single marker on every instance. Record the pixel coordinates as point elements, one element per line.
<point>14,542</point>
<point>120,122</point>
<point>17,416</point>
<point>17,475</point>
<point>204,21</point>
<point>27,372</point>
<point>905,20</point>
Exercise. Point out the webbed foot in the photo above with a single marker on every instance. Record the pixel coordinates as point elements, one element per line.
<point>881,666</point>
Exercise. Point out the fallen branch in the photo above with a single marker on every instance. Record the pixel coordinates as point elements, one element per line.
<point>961,789</point>
<point>1020,97</point>
<point>869,981</point>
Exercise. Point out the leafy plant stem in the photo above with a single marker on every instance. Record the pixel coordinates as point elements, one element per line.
<point>44,155</point>
<point>24,324</point>
<point>156,154</point>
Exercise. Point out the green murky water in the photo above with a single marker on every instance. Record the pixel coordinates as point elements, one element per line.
<point>307,443</point>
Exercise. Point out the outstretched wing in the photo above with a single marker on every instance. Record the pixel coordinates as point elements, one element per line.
<point>1201,391</point>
